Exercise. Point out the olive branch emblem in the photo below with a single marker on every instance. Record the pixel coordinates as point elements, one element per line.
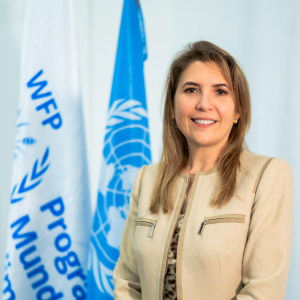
<point>122,110</point>
<point>26,185</point>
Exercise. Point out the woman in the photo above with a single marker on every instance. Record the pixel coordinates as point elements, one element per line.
<point>211,220</point>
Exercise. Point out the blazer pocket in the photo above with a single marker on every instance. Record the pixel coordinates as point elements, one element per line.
<point>148,223</point>
<point>228,218</point>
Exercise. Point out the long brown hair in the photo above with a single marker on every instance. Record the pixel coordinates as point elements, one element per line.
<point>175,152</point>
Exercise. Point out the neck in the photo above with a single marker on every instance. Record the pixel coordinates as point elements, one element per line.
<point>202,159</point>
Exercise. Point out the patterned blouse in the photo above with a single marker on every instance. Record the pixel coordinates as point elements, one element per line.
<point>170,292</point>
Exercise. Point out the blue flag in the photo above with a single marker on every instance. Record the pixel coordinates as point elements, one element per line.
<point>126,150</point>
<point>49,228</point>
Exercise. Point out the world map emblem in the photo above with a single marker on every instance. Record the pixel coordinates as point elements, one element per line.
<point>126,150</point>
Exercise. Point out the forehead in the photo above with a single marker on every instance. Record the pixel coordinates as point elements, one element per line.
<point>203,73</point>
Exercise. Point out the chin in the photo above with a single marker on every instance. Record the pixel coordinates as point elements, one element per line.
<point>203,143</point>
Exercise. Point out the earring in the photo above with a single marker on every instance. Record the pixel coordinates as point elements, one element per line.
<point>175,125</point>
<point>235,121</point>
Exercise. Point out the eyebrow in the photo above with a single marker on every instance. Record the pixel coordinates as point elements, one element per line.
<point>191,83</point>
<point>198,85</point>
<point>220,84</point>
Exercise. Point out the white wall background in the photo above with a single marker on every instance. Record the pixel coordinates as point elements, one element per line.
<point>263,35</point>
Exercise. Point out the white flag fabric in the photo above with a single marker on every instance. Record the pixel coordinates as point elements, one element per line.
<point>49,216</point>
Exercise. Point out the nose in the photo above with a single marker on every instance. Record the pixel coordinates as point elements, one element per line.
<point>204,102</point>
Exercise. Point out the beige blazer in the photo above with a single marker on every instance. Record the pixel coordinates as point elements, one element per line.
<point>241,251</point>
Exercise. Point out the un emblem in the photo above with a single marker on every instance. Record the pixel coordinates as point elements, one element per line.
<point>126,150</point>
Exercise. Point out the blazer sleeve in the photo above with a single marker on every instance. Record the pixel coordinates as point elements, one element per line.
<point>126,275</point>
<point>269,244</point>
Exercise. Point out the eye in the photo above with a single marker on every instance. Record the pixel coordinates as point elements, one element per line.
<point>191,90</point>
<point>221,92</point>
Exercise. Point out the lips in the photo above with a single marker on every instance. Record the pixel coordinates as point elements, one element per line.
<point>204,121</point>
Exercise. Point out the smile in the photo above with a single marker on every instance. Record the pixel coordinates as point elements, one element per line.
<point>203,121</point>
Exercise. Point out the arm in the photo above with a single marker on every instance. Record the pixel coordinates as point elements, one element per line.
<point>126,275</point>
<point>268,248</point>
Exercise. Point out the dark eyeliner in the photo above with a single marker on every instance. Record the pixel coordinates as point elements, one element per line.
<point>187,90</point>
<point>224,92</point>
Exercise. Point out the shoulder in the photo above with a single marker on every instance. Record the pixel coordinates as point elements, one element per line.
<point>149,173</point>
<point>151,169</point>
<point>146,173</point>
<point>252,161</point>
<point>260,166</point>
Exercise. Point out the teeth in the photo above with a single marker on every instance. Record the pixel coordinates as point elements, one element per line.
<point>204,121</point>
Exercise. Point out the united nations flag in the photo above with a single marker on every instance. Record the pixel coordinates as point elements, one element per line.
<point>126,150</point>
<point>49,229</point>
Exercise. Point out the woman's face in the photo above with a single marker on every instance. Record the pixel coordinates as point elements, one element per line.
<point>203,105</point>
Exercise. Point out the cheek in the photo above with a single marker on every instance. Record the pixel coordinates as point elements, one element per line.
<point>227,113</point>
<point>181,113</point>
<point>182,110</point>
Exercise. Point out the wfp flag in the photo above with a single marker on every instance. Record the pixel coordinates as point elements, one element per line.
<point>49,229</point>
<point>126,149</point>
